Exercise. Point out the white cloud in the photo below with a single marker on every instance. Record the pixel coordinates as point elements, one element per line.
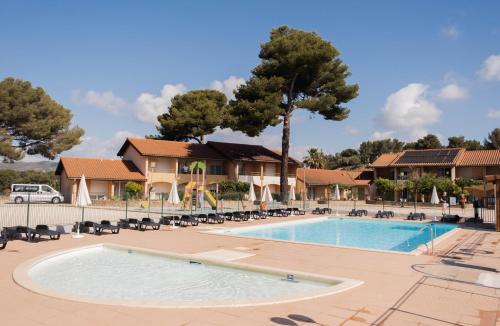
<point>409,111</point>
<point>106,100</point>
<point>452,32</point>
<point>352,131</point>
<point>100,148</point>
<point>453,92</point>
<point>379,135</point>
<point>227,86</point>
<point>491,68</point>
<point>149,106</point>
<point>495,114</point>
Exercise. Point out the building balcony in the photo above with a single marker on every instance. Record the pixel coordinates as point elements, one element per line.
<point>267,179</point>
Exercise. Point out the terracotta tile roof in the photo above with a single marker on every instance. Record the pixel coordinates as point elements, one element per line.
<point>385,160</point>
<point>480,158</point>
<point>166,148</point>
<point>325,177</point>
<point>246,152</point>
<point>439,157</point>
<point>99,169</point>
<point>277,151</point>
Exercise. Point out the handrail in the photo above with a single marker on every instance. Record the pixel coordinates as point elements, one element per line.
<point>431,230</point>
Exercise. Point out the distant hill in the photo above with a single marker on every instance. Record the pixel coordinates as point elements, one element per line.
<point>25,166</point>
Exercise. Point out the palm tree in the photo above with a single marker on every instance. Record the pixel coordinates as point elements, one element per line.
<point>315,158</point>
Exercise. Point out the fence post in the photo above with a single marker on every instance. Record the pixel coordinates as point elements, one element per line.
<point>126,205</point>
<point>28,216</point>
<point>162,197</point>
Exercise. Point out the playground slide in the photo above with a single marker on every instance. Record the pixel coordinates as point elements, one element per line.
<point>210,198</point>
<point>187,194</point>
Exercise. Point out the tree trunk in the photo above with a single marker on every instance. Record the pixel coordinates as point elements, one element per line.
<point>285,146</point>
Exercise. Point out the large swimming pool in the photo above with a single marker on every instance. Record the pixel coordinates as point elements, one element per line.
<point>116,275</point>
<point>361,233</point>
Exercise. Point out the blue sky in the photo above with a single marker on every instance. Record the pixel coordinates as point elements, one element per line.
<point>428,66</point>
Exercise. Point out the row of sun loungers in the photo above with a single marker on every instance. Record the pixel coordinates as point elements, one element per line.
<point>29,234</point>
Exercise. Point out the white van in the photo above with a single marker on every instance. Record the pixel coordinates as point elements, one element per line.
<point>20,193</point>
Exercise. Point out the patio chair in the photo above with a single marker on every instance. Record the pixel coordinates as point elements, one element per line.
<point>290,211</point>
<point>106,225</point>
<point>149,222</point>
<point>43,230</point>
<point>228,216</point>
<point>247,215</point>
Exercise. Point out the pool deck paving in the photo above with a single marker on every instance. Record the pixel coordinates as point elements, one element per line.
<point>398,289</point>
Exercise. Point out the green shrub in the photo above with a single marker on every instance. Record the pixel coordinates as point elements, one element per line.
<point>133,188</point>
<point>233,186</point>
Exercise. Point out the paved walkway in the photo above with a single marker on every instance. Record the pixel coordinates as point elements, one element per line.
<point>398,290</point>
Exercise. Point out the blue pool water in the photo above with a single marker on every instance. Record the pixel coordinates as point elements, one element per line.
<point>384,235</point>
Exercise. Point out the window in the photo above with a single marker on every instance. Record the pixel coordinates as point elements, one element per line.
<point>46,189</point>
<point>241,168</point>
<point>216,170</point>
<point>29,188</point>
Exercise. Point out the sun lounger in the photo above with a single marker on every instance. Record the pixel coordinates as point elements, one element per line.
<point>18,232</point>
<point>237,217</point>
<point>128,223</point>
<point>106,225</point>
<point>202,218</point>
<point>3,240</point>
<point>149,222</point>
<point>215,218</point>
<point>447,218</point>
<point>188,219</point>
<point>298,211</point>
<point>43,230</point>
<point>384,214</point>
<point>167,220</point>
<point>358,212</point>
<point>282,213</point>
<point>416,216</point>
<point>318,210</point>
<point>259,214</point>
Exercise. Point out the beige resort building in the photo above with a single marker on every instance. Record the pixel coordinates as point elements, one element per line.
<point>157,163</point>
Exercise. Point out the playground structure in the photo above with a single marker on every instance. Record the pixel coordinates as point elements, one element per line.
<point>198,190</point>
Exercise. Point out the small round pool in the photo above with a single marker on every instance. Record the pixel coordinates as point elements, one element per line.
<point>111,274</point>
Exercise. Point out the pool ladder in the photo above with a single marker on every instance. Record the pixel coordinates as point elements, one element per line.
<point>431,230</point>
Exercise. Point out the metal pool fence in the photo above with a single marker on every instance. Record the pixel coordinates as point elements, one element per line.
<point>31,214</point>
